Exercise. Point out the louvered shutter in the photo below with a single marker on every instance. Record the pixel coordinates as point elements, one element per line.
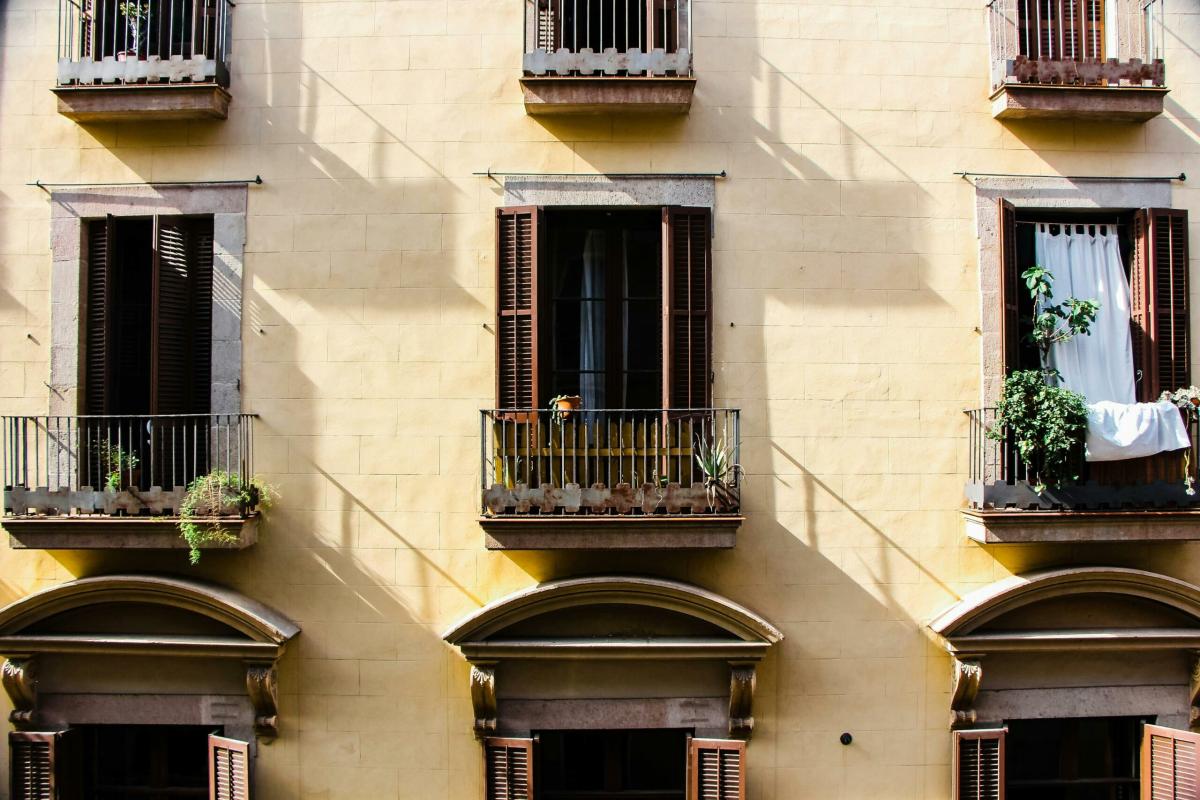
<point>1010,288</point>
<point>176,325</point>
<point>716,769</point>
<point>43,766</point>
<point>228,769</point>
<point>508,769</point>
<point>200,369</point>
<point>1165,266</point>
<point>687,307</point>
<point>1139,310</point>
<point>98,322</point>
<point>979,764</point>
<point>1169,764</point>
<point>518,232</point>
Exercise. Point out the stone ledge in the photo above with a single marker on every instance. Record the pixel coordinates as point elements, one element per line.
<point>118,533</point>
<point>565,95</point>
<point>688,532</point>
<point>1088,103</point>
<point>143,102</point>
<point>1024,527</point>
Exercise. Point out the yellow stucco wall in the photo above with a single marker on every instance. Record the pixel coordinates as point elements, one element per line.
<point>846,307</point>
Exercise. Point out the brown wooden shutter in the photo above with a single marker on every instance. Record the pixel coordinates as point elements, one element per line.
<point>518,233</point>
<point>716,769</point>
<point>1167,278</point>
<point>200,369</point>
<point>1010,288</point>
<point>687,307</point>
<point>508,769</point>
<point>43,766</point>
<point>1169,764</point>
<point>228,769</point>
<point>1139,309</point>
<point>179,335</point>
<point>979,764</point>
<point>98,322</point>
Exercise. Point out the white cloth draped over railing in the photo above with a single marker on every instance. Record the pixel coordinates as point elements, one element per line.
<point>1085,263</point>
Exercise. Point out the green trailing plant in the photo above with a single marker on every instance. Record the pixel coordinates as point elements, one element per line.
<point>715,459</point>
<point>1047,425</point>
<point>218,494</point>
<point>116,461</point>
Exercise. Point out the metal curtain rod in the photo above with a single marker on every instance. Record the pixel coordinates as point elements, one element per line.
<point>493,174</point>
<point>257,180</point>
<point>1122,178</point>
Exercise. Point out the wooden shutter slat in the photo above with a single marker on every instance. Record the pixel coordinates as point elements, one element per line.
<point>1010,283</point>
<point>228,768</point>
<point>979,764</point>
<point>517,247</point>
<point>508,768</point>
<point>1169,764</point>
<point>1159,302</point>
<point>43,765</point>
<point>98,337</point>
<point>200,369</point>
<point>687,307</point>
<point>716,769</point>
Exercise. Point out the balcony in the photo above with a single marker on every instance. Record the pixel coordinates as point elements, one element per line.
<point>1077,59</point>
<point>609,479</point>
<point>143,59</point>
<point>115,482</point>
<point>604,56</point>
<point>1139,500</point>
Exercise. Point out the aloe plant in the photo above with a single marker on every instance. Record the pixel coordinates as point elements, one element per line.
<point>715,458</point>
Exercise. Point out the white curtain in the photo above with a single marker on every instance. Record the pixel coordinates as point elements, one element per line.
<point>1085,262</point>
<point>591,321</point>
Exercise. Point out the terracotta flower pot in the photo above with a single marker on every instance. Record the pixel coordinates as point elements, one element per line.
<point>568,405</point>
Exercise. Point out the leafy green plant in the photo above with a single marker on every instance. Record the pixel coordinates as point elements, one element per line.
<point>134,13</point>
<point>116,461</point>
<point>715,458</point>
<point>218,494</point>
<point>1047,425</point>
<point>1056,322</point>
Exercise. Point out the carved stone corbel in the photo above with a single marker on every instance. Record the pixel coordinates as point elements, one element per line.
<point>483,697</point>
<point>19,676</point>
<point>1194,693</point>
<point>262,684</point>
<point>741,699</point>
<point>965,687</point>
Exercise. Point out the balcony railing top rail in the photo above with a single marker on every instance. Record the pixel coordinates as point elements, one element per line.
<point>1077,42</point>
<point>608,38</point>
<point>118,465</point>
<point>998,478</point>
<point>143,42</point>
<point>608,461</point>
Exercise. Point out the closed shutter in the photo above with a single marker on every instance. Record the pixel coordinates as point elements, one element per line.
<point>228,769</point>
<point>687,307</point>
<point>98,323</point>
<point>180,347</point>
<point>1159,303</point>
<point>43,766</point>
<point>979,764</point>
<point>200,371</point>
<point>1169,763</point>
<point>1010,288</point>
<point>716,769</point>
<point>508,769</point>
<point>517,244</point>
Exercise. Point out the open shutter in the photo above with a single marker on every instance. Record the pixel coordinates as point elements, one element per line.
<point>170,317</point>
<point>200,369</point>
<point>508,769</point>
<point>228,769</point>
<point>98,322</point>
<point>1139,310</point>
<point>1010,288</point>
<point>687,307</point>
<point>1168,271</point>
<point>979,764</point>
<point>43,766</point>
<point>716,769</point>
<point>1169,764</point>
<point>517,236</point>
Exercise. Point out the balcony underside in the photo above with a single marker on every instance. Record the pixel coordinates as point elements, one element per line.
<point>97,532</point>
<point>658,532</point>
<point>607,95</point>
<point>143,102</point>
<point>1087,103</point>
<point>1026,527</point>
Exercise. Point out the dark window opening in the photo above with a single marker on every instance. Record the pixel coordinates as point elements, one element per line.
<point>619,25</point>
<point>602,339</point>
<point>149,762</point>
<point>1061,30</point>
<point>612,765</point>
<point>138,29</point>
<point>1095,758</point>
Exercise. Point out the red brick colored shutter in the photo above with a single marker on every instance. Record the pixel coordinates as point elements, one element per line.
<point>98,321</point>
<point>1169,764</point>
<point>518,233</point>
<point>1010,288</point>
<point>43,766</point>
<point>979,764</point>
<point>687,307</point>
<point>228,769</point>
<point>508,769</point>
<point>716,769</point>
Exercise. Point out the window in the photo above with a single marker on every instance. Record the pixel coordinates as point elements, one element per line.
<point>144,28</point>
<point>612,765</point>
<point>1062,30</point>
<point>582,298</point>
<point>622,25</point>
<point>1094,758</point>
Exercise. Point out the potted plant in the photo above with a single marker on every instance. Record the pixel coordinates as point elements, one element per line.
<point>215,495</point>
<point>121,468</point>
<point>136,17</point>
<point>1188,402</point>
<point>562,406</point>
<point>714,457</point>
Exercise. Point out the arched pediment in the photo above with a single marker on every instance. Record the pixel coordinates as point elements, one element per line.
<point>1075,608</point>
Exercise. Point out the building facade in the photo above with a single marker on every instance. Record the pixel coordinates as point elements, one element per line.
<point>478,399</point>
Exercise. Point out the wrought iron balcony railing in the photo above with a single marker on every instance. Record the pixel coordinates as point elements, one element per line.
<point>118,465</point>
<point>610,461</point>
<point>143,42</point>
<point>608,38</point>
